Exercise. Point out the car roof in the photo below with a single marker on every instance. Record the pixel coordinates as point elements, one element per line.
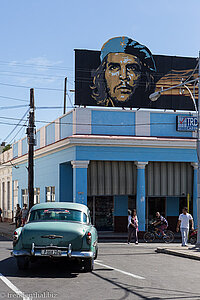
<point>67,205</point>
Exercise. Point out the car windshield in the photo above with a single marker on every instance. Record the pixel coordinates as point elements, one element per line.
<point>58,214</point>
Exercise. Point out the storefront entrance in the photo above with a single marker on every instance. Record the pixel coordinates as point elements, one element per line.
<point>153,205</point>
<point>101,209</point>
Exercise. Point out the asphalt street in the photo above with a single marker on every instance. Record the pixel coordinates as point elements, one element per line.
<point>121,272</point>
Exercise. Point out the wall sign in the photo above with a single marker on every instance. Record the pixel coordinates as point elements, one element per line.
<point>124,73</point>
<point>186,123</point>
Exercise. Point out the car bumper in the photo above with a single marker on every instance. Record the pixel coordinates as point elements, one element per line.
<point>63,253</point>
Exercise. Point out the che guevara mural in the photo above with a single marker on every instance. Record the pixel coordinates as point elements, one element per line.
<point>124,73</point>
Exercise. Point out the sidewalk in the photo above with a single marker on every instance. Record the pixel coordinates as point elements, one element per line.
<point>7,229</point>
<point>191,251</point>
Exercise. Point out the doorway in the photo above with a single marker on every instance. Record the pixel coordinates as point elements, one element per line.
<point>155,204</point>
<point>101,210</point>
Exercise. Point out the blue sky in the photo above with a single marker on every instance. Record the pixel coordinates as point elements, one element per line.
<point>38,38</point>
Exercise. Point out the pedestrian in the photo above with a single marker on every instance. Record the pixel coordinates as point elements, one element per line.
<point>132,226</point>
<point>18,216</point>
<point>184,221</point>
<point>24,214</point>
<point>1,215</point>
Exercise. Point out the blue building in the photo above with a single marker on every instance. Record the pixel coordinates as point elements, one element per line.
<point>112,160</point>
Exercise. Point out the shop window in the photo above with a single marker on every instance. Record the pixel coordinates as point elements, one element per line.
<point>36,195</point>
<point>50,194</point>
<point>101,209</point>
<point>155,204</point>
<point>131,202</point>
<point>24,197</point>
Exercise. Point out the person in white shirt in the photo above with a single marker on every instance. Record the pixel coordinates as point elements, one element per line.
<point>132,226</point>
<point>184,221</point>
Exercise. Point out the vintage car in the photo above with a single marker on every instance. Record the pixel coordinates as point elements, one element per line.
<point>57,230</point>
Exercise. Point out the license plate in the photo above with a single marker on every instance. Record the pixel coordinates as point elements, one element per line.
<point>51,252</point>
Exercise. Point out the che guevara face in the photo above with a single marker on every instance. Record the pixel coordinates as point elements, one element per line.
<point>122,75</point>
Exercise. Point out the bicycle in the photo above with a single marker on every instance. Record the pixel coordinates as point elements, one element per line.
<point>167,236</point>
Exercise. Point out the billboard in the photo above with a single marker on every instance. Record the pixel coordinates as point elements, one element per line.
<point>124,73</point>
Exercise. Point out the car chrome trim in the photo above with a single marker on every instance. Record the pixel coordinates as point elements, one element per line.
<point>70,251</point>
<point>52,236</point>
<point>72,254</point>
<point>82,254</point>
<point>21,253</point>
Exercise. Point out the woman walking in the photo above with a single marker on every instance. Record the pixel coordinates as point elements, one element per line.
<point>132,226</point>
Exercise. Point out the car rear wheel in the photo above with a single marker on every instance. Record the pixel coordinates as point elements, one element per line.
<point>22,262</point>
<point>88,264</point>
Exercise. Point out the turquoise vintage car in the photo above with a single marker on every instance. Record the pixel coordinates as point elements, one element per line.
<point>57,230</point>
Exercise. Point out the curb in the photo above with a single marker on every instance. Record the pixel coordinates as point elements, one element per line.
<point>177,253</point>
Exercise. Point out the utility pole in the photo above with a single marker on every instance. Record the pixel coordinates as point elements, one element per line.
<point>31,143</point>
<point>65,93</point>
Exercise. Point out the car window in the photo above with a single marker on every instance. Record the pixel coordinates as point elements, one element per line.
<point>54,214</point>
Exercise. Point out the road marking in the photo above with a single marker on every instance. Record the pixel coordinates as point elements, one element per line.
<point>13,287</point>
<point>118,270</point>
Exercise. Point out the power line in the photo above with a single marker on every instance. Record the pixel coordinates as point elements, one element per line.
<point>28,87</point>
<point>11,98</point>
<point>11,107</point>
<point>16,125</point>
<point>18,131</point>
<point>93,124</point>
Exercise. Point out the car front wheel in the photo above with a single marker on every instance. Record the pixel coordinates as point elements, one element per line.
<point>88,264</point>
<point>22,262</point>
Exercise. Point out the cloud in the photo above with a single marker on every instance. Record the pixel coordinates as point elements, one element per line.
<point>37,71</point>
<point>41,63</point>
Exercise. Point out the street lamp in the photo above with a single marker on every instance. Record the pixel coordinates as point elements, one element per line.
<point>154,97</point>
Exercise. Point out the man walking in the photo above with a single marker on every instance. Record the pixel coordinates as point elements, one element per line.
<point>18,216</point>
<point>24,214</point>
<point>184,221</point>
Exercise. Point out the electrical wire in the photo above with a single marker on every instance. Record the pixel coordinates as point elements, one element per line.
<point>16,125</point>
<point>93,124</point>
<point>25,125</point>
<point>11,107</point>
<point>12,98</point>
<point>28,87</point>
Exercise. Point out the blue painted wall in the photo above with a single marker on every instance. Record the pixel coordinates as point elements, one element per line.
<point>46,172</point>
<point>66,182</point>
<point>24,146</point>
<point>172,206</point>
<point>66,126</point>
<point>121,122</point>
<point>50,133</point>
<point>37,138</point>
<point>15,150</point>
<point>121,205</point>
<point>163,124</point>
<point>135,154</point>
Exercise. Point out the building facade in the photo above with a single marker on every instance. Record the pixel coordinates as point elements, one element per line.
<point>111,160</point>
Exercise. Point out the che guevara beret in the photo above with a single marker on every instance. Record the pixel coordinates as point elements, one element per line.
<point>126,45</point>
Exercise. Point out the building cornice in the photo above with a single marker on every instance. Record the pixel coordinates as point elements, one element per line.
<point>110,141</point>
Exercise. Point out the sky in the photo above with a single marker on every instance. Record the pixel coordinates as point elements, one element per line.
<point>38,38</point>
